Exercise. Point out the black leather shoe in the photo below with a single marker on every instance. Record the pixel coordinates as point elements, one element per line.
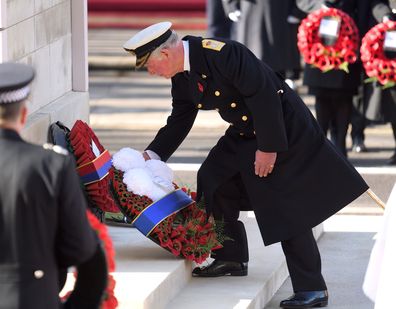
<point>308,299</point>
<point>221,268</point>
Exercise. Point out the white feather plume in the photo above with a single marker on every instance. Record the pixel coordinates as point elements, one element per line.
<point>128,158</point>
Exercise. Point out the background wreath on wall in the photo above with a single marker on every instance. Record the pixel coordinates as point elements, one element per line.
<point>324,57</point>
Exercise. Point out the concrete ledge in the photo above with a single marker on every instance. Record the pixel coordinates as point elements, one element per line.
<point>67,109</point>
<point>147,276</point>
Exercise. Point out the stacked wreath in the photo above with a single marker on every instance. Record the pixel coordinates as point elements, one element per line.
<point>325,58</point>
<point>377,66</point>
<point>186,233</point>
<point>93,164</point>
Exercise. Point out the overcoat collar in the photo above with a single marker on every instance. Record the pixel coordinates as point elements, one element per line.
<point>9,134</point>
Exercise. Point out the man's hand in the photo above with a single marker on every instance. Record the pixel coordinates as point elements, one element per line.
<point>264,163</point>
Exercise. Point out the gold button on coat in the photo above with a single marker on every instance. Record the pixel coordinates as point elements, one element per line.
<point>217,93</point>
<point>38,274</point>
<point>241,134</point>
<point>244,118</point>
<point>199,105</point>
<point>233,104</point>
<point>203,76</point>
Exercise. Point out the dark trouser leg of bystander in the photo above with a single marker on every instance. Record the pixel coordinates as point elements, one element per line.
<point>358,122</point>
<point>392,160</point>
<point>342,119</point>
<point>334,113</point>
<point>324,112</point>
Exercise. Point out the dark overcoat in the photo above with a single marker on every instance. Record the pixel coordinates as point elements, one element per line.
<point>381,103</point>
<point>310,181</point>
<point>264,29</point>
<point>365,13</point>
<point>43,225</point>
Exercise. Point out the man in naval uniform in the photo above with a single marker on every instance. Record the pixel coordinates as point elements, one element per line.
<point>272,159</point>
<point>43,224</point>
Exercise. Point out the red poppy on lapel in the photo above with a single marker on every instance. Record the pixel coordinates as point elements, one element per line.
<point>200,87</point>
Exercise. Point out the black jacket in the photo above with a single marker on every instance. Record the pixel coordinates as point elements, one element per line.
<point>310,181</point>
<point>43,225</point>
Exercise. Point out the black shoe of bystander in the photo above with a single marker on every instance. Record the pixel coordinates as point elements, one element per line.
<point>358,146</point>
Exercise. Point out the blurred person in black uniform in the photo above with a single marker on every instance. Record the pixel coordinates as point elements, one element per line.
<point>273,158</point>
<point>382,107</point>
<point>334,91</point>
<point>269,29</point>
<point>381,103</point>
<point>43,224</point>
<point>377,11</point>
<point>219,25</point>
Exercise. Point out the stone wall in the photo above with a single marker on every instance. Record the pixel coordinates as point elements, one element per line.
<point>48,34</point>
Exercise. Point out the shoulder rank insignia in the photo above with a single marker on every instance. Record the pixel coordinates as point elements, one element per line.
<point>212,44</point>
<point>56,148</point>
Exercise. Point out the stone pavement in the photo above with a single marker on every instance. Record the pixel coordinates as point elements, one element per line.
<point>127,109</point>
<point>345,248</point>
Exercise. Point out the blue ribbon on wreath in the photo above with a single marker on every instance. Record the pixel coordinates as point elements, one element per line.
<point>158,211</point>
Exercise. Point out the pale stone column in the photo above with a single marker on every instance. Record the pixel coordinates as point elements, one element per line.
<point>51,35</point>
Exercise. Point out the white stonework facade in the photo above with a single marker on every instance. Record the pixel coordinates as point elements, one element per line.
<point>51,35</point>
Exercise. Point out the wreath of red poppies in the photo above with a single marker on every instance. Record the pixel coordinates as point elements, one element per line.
<point>80,140</point>
<point>377,66</point>
<point>187,234</point>
<point>325,58</point>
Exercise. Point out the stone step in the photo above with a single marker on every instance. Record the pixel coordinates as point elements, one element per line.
<point>267,272</point>
<point>345,248</point>
<point>147,276</point>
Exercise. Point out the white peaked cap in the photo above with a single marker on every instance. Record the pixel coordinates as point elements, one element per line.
<point>145,41</point>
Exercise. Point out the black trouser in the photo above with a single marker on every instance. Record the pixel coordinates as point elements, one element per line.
<point>393,124</point>
<point>334,111</point>
<point>358,120</point>
<point>301,252</point>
